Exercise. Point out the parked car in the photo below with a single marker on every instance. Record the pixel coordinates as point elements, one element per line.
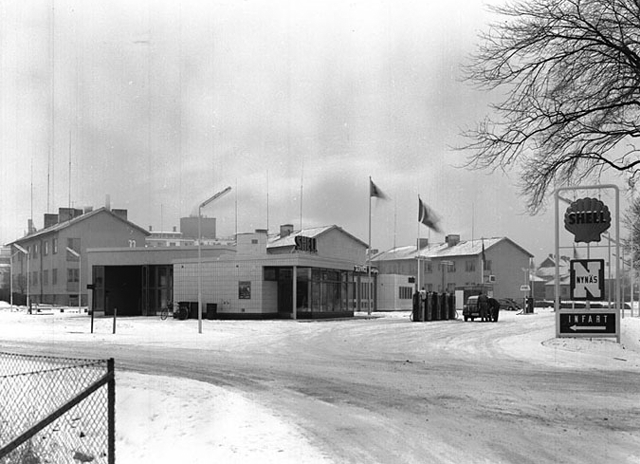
<point>509,304</point>
<point>471,310</point>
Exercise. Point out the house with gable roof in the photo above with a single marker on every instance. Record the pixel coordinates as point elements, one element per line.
<point>496,265</point>
<point>50,265</point>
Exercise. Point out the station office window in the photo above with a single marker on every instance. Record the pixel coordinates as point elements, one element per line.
<point>244,290</point>
<point>54,245</point>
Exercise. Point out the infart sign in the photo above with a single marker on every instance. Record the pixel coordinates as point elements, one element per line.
<point>587,219</point>
<point>587,279</point>
<point>588,323</point>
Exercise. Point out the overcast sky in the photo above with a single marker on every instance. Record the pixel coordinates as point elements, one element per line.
<point>294,104</point>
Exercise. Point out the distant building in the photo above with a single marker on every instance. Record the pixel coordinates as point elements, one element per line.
<point>189,227</point>
<point>52,274</point>
<point>496,265</point>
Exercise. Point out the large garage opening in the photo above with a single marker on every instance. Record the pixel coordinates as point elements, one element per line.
<point>133,290</point>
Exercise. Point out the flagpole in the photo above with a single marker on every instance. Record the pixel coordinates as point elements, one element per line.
<point>369,255</point>
<point>418,246</point>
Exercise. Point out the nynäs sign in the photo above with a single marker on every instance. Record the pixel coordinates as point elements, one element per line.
<point>587,219</point>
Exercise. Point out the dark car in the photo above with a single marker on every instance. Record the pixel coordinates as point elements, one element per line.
<point>471,309</point>
<point>509,304</point>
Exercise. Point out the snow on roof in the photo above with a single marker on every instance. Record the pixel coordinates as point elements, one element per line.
<point>75,220</point>
<point>441,250</point>
<point>311,232</point>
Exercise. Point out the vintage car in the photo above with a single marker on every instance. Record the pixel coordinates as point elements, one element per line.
<point>471,310</point>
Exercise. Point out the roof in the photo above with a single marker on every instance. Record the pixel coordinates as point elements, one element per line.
<point>313,232</point>
<point>443,250</point>
<point>83,217</point>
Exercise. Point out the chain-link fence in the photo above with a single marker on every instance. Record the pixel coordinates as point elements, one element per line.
<point>56,410</point>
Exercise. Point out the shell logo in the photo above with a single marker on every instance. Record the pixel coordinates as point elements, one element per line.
<point>587,219</point>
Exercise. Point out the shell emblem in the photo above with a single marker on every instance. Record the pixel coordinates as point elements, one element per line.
<point>587,219</point>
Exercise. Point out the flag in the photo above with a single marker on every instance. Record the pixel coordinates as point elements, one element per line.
<point>374,191</point>
<point>427,217</point>
<point>484,257</point>
<point>575,253</point>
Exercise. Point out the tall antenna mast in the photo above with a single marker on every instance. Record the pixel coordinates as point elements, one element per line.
<point>301,189</point>
<point>69,168</point>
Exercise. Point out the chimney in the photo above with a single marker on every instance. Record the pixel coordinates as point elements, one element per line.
<point>175,229</point>
<point>150,229</point>
<point>423,243</point>
<point>121,213</point>
<point>107,202</point>
<point>50,220</point>
<point>30,227</point>
<point>452,239</point>
<point>65,214</point>
<point>286,230</point>
<point>88,209</point>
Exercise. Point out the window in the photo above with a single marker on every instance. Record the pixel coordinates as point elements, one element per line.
<point>34,278</point>
<point>54,245</point>
<point>35,250</point>
<point>470,265</point>
<point>73,275</point>
<point>487,265</point>
<point>54,277</point>
<point>45,277</point>
<point>45,247</point>
<point>405,293</point>
<point>244,290</point>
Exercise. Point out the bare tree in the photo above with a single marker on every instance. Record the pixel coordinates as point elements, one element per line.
<point>632,221</point>
<point>569,75</point>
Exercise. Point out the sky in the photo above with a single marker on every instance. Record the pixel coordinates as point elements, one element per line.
<point>293,104</point>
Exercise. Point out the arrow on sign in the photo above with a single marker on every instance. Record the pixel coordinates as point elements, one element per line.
<point>587,284</point>
<point>587,327</point>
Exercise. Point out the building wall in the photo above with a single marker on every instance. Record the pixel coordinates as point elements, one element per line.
<point>334,244</point>
<point>220,285</point>
<point>100,230</point>
<point>394,292</point>
<point>507,262</point>
<point>189,227</point>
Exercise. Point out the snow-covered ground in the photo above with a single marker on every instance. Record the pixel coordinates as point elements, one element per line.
<point>166,419</point>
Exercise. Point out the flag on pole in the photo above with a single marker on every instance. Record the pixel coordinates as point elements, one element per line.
<point>374,191</point>
<point>575,253</point>
<point>427,217</point>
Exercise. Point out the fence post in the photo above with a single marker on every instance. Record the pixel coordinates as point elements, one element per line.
<point>111,399</point>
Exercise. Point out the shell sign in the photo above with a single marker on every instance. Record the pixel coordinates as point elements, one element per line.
<point>587,218</point>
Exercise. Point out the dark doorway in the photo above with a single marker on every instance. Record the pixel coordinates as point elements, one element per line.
<point>122,286</point>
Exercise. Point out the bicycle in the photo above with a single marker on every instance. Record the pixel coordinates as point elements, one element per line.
<point>164,313</point>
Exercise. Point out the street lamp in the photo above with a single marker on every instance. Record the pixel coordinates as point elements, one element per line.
<point>22,250</point>
<point>77,255</point>
<point>200,206</point>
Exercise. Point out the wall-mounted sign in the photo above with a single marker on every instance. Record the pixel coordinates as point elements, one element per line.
<point>587,218</point>
<point>364,269</point>
<point>306,244</point>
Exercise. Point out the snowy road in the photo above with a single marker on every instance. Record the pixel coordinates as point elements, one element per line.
<point>387,390</point>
